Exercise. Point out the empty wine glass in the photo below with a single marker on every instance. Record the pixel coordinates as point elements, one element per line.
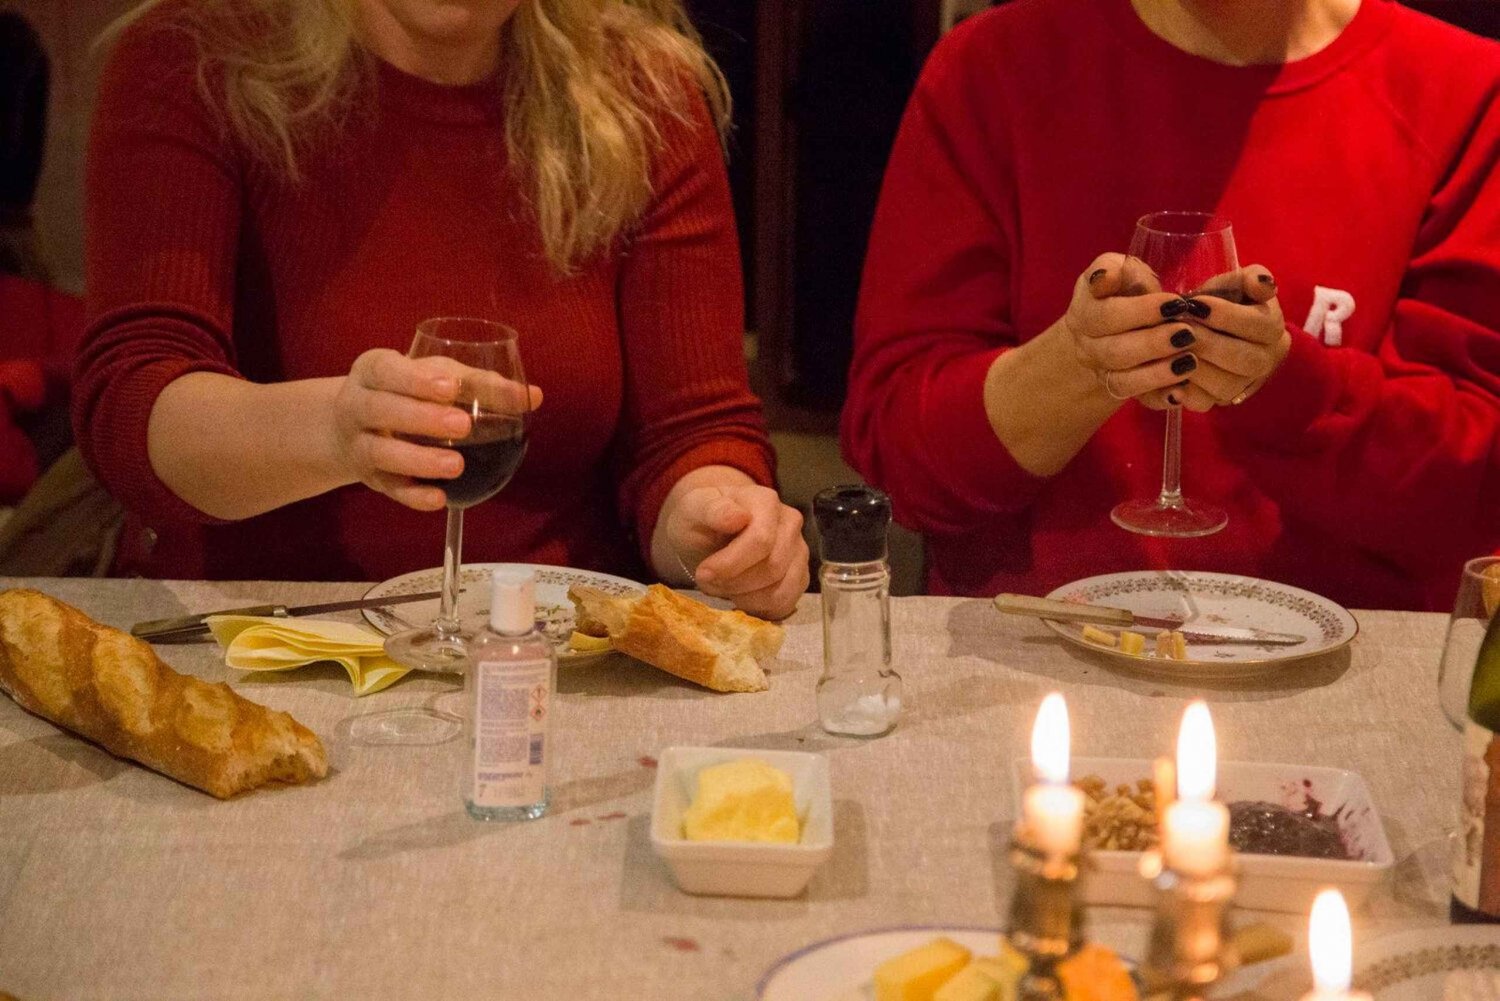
<point>1478,601</point>
<point>496,396</point>
<point>1192,253</point>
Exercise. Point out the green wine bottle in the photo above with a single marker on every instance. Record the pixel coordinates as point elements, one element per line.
<point>1476,852</point>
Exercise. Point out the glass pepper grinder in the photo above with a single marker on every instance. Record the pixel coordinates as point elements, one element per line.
<point>859,694</point>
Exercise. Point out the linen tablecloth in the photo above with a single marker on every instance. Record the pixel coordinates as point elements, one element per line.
<point>116,883</point>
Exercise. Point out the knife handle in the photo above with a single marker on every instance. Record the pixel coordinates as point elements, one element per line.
<point>1063,611</point>
<point>188,626</point>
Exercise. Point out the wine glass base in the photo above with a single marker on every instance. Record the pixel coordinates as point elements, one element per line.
<point>414,726</point>
<point>1184,520</point>
<point>430,650</point>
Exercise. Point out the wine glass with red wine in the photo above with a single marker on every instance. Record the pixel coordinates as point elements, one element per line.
<point>1191,254</point>
<point>498,401</point>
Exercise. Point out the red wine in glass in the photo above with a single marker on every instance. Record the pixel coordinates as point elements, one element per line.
<point>492,452</point>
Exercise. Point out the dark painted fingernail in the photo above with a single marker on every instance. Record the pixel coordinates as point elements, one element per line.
<point>1173,308</point>
<point>1198,308</point>
<point>1182,338</point>
<point>1266,280</point>
<point>1096,274</point>
<point>1184,365</point>
<point>1172,399</point>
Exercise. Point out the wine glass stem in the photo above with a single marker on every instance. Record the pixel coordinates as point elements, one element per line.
<point>447,620</point>
<point>1171,461</point>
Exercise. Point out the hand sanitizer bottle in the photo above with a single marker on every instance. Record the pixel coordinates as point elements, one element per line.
<point>510,684</point>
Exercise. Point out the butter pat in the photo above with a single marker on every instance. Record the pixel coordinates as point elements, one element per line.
<point>1132,643</point>
<point>917,975</point>
<point>743,800</point>
<point>971,983</point>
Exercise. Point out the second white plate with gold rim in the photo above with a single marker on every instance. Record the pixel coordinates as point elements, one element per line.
<point>1212,599</point>
<point>553,609</point>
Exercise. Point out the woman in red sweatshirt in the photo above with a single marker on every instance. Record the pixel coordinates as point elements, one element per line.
<point>278,192</point>
<point>1347,416</point>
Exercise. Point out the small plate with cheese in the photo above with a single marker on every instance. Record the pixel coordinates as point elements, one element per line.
<point>1206,600</point>
<point>843,968</point>
<point>742,822</point>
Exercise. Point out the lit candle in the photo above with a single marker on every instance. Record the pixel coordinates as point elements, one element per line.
<point>1052,808</point>
<point>1196,829</point>
<point>1331,944</point>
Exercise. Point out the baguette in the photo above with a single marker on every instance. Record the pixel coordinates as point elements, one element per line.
<point>111,688</point>
<point>715,649</point>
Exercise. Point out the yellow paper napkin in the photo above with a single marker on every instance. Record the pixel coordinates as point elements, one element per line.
<point>263,643</point>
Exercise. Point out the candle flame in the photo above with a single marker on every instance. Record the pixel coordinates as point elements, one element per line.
<point>1050,739</point>
<point>1331,943</point>
<point>1197,753</point>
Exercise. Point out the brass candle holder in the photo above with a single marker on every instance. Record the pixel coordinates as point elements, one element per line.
<point>1046,916</point>
<point>1191,945</point>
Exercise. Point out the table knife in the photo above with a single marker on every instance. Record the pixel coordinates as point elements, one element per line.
<point>1102,615</point>
<point>188,627</point>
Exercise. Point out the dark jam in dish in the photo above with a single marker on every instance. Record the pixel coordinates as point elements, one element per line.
<point>1257,828</point>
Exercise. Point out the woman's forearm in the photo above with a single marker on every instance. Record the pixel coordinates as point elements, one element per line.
<point>234,449</point>
<point>1043,405</point>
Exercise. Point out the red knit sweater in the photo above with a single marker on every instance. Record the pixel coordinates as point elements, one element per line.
<point>1368,468</point>
<point>200,258</point>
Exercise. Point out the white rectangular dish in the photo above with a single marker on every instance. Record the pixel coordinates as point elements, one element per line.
<point>741,868</point>
<point>1281,883</point>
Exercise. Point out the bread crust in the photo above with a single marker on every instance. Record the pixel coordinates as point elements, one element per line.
<point>112,688</point>
<point>719,650</point>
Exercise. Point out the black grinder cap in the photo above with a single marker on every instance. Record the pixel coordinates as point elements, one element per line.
<point>852,524</point>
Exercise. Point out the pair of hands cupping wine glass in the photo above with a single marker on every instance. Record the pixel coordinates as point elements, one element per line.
<point>1177,324</point>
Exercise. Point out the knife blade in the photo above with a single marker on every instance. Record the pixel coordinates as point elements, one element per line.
<point>190,626</point>
<point>1193,632</point>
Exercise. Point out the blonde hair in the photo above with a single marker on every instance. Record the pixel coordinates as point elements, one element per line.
<point>583,83</point>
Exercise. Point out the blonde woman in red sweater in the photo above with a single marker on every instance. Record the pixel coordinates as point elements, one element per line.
<point>1347,416</point>
<point>279,190</point>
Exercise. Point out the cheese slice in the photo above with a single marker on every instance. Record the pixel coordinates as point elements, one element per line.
<point>1099,637</point>
<point>971,983</point>
<point>916,975</point>
<point>1006,969</point>
<point>1171,645</point>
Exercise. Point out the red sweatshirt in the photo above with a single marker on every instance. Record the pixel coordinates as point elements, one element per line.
<point>200,258</point>
<point>1367,468</point>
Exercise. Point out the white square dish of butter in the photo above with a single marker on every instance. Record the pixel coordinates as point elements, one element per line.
<point>738,800</point>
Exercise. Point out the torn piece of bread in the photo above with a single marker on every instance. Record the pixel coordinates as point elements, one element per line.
<point>716,649</point>
<point>110,687</point>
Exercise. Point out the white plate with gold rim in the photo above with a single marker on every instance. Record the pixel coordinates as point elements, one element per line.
<point>1427,963</point>
<point>839,969</point>
<point>554,610</point>
<point>1212,599</point>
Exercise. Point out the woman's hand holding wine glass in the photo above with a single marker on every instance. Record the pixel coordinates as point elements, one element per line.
<point>1127,331</point>
<point>1239,344</point>
<point>394,418</point>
